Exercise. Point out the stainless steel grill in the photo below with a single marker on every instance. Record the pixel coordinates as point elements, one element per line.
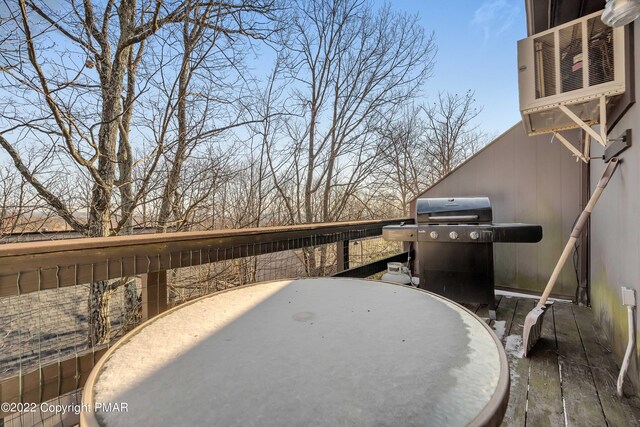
<point>454,239</point>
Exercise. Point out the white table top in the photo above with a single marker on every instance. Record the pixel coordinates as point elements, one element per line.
<point>304,352</point>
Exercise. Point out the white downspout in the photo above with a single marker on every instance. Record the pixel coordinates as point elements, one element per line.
<point>628,299</point>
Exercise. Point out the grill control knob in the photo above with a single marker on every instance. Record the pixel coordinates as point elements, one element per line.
<point>474,235</point>
<point>434,235</point>
<point>453,235</point>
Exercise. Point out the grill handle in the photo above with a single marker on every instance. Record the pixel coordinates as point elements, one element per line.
<point>454,217</point>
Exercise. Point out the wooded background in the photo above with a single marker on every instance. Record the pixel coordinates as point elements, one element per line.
<point>193,114</point>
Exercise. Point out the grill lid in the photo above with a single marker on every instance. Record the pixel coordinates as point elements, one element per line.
<point>453,210</point>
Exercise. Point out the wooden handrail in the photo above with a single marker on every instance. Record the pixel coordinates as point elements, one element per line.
<point>49,246</point>
<point>32,266</point>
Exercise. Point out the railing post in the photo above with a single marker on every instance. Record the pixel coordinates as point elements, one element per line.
<point>342,250</point>
<point>154,294</point>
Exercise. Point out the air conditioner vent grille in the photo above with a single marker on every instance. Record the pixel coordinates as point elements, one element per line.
<point>571,58</point>
<point>600,52</point>
<point>545,66</point>
<point>569,65</point>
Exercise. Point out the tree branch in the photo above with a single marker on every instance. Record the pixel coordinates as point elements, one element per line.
<point>51,198</point>
<point>59,27</point>
<point>55,110</point>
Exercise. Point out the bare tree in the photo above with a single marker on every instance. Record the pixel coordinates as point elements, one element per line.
<point>351,64</point>
<point>405,168</point>
<point>16,210</point>
<point>207,97</point>
<point>451,133</point>
<point>72,83</point>
<point>421,144</point>
<point>63,90</point>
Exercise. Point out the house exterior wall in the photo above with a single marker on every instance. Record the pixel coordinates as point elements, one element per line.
<point>530,180</point>
<point>615,236</point>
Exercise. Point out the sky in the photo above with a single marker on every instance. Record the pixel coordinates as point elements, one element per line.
<point>477,50</point>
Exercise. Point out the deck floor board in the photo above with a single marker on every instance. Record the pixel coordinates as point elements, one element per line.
<point>618,412</point>
<point>517,409</point>
<point>582,404</point>
<point>544,380</point>
<point>570,377</point>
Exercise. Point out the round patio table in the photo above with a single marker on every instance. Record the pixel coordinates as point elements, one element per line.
<point>305,352</point>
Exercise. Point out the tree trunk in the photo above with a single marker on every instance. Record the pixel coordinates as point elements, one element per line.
<point>132,301</point>
<point>112,79</point>
<point>99,323</point>
<point>167,208</point>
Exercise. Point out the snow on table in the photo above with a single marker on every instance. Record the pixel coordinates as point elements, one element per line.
<point>306,352</point>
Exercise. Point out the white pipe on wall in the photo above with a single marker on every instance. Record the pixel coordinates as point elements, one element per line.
<point>628,299</point>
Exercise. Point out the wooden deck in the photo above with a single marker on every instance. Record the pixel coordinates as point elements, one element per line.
<point>570,378</point>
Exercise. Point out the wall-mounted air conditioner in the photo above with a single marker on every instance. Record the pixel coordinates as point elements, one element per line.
<point>573,65</point>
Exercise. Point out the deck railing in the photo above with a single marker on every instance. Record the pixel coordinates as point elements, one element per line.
<point>45,287</point>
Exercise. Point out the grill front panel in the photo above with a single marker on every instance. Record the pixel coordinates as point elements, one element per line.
<point>462,272</point>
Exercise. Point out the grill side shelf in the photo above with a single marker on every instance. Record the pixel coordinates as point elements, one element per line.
<point>400,233</point>
<point>517,233</point>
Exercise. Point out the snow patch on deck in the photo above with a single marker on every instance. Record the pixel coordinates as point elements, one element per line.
<point>512,294</point>
<point>499,327</point>
<point>513,346</point>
